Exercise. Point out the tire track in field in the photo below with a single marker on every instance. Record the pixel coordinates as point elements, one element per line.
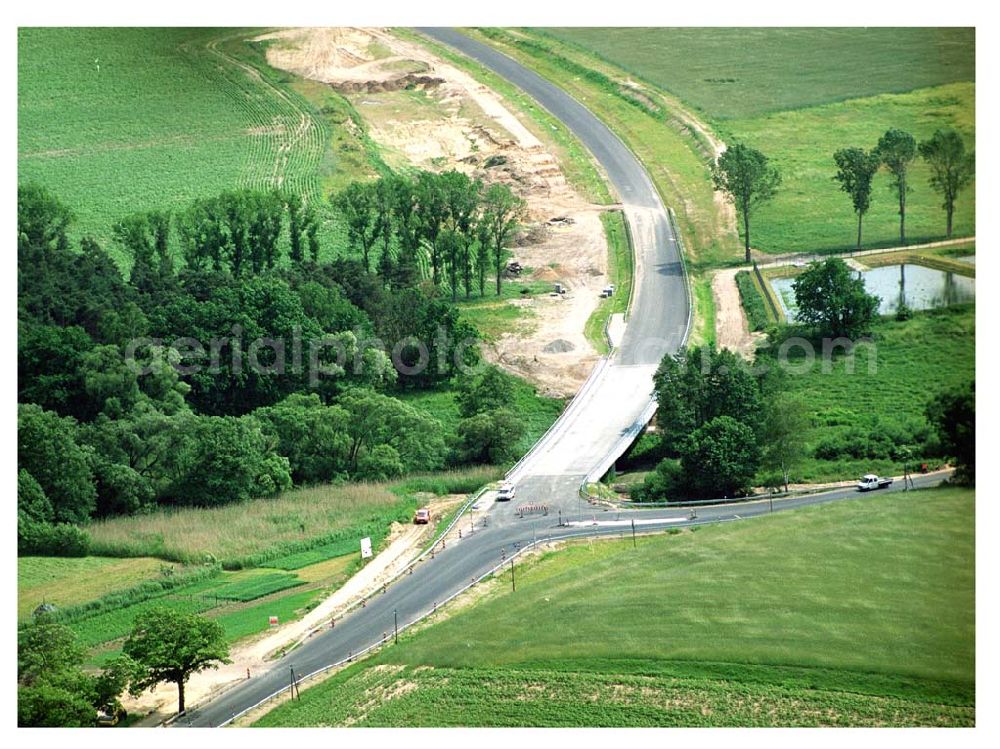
<point>286,142</point>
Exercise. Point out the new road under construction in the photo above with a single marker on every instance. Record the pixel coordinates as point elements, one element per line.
<point>603,419</point>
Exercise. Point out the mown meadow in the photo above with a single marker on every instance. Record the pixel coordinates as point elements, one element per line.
<point>810,213</point>
<point>858,613</point>
<point>731,73</point>
<point>797,95</point>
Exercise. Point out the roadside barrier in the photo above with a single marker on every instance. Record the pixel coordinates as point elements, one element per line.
<point>536,509</point>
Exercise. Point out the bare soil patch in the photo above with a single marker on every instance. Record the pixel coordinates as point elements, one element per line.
<point>426,113</point>
<point>731,328</point>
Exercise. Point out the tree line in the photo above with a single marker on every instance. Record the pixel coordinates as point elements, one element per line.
<point>98,436</point>
<point>460,227</point>
<point>748,179</point>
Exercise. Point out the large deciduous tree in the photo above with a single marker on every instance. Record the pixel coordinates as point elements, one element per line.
<point>502,210</point>
<point>700,384</point>
<point>782,432</point>
<point>748,180</point>
<point>231,461</point>
<point>48,448</point>
<point>896,150</point>
<point>855,170</point>
<point>53,690</point>
<point>952,415</point>
<point>952,167</point>
<point>356,203</point>
<point>834,300</point>
<point>433,212</point>
<point>169,646</point>
<point>491,437</point>
<point>719,459</point>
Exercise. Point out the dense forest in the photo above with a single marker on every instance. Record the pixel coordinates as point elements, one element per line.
<point>232,363</point>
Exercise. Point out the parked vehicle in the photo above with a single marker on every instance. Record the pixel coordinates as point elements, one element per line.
<point>111,716</point>
<point>506,492</point>
<point>870,481</point>
<point>423,516</point>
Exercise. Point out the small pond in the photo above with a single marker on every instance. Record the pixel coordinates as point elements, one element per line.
<point>919,286</point>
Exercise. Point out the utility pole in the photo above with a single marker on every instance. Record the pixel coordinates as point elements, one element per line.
<point>513,587</point>
<point>293,688</point>
<point>633,534</point>
<point>395,627</point>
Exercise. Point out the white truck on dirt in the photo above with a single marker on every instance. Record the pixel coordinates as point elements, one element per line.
<point>870,481</point>
<point>506,492</point>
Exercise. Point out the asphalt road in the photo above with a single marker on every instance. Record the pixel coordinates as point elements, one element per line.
<point>412,597</point>
<point>612,408</point>
<point>597,423</point>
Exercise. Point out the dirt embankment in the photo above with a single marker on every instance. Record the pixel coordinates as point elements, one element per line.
<point>426,113</point>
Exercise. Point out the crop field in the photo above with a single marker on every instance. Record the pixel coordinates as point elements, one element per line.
<point>743,72</point>
<point>113,625</point>
<point>256,587</point>
<point>809,213</point>
<point>250,620</point>
<point>285,551</point>
<point>914,360</point>
<point>857,613</point>
<point>241,601</point>
<point>122,120</point>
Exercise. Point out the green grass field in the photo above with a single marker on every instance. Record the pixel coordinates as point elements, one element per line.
<point>123,120</point>
<point>809,213</point>
<point>858,613</point>
<point>914,79</point>
<point>620,264</point>
<point>65,581</point>
<point>914,360</point>
<point>743,72</point>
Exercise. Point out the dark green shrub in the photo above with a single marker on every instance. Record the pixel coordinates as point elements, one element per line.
<point>753,302</point>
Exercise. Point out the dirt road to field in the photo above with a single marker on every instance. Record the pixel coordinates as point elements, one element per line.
<point>731,328</point>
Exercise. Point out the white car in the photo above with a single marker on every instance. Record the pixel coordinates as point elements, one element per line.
<point>506,492</point>
<point>870,482</point>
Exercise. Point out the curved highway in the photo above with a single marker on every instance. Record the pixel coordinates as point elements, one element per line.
<point>596,427</point>
<point>617,401</point>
